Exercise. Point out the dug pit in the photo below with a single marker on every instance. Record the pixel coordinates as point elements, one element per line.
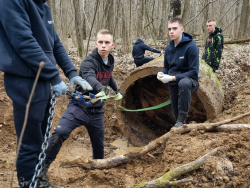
<point>143,90</point>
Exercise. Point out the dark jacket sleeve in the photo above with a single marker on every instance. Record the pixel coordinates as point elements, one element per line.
<point>204,53</point>
<point>166,64</point>
<point>87,72</point>
<point>15,20</point>
<point>218,48</point>
<point>146,47</point>
<point>112,84</point>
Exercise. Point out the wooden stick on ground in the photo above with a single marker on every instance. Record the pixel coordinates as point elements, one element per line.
<point>87,163</point>
<point>164,180</point>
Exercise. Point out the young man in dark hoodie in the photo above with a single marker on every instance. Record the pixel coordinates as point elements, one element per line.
<point>97,69</point>
<point>180,71</point>
<point>214,45</point>
<point>139,49</point>
<point>27,37</point>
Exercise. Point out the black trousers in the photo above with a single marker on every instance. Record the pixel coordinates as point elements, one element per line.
<point>140,62</point>
<point>73,117</point>
<point>180,95</point>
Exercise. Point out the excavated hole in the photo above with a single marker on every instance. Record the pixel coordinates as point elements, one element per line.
<point>142,127</point>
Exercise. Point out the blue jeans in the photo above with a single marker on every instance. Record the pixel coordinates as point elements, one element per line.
<point>73,117</point>
<point>180,95</point>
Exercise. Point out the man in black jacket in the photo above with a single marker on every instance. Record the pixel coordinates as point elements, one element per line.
<point>97,70</point>
<point>139,49</point>
<point>27,37</point>
<point>181,69</point>
<point>214,45</point>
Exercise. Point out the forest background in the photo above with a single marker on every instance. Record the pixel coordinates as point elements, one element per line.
<point>128,19</point>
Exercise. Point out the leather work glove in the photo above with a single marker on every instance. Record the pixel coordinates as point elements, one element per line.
<point>105,89</point>
<point>121,92</point>
<point>165,78</point>
<point>60,89</point>
<point>77,80</point>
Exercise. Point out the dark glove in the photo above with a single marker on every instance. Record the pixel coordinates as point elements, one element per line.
<point>105,89</point>
<point>119,91</point>
<point>60,89</point>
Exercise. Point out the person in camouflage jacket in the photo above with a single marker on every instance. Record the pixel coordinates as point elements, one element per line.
<point>214,45</point>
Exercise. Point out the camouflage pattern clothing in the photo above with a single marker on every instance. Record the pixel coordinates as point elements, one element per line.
<point>213,49</point>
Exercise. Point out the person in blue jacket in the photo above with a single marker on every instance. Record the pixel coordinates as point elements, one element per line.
<point>139,49</point>
<point>97,69</point>
<point>181,68</point>
<point>27,37</point>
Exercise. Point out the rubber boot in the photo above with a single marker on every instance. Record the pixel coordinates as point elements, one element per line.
<point>180,120</point>
<point>43,180</point>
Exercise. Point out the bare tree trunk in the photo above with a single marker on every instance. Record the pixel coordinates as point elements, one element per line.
<point>118,3</point>
<point>243,32</point>
<point>205,18</point>
<point>84,24</point>
<point>78,28</point>
<point>151,29</point>
<point>140,18</point>
<point>90,32</point>
<point>163,24</point>
<point>125,44</point>
<point>108,15</point>
<point>185,15</point>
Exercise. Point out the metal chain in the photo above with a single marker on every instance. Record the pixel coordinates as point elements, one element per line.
<point>42,155</point>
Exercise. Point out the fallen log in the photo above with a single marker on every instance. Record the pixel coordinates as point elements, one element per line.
<point>231,42</point>
<point>237,41</point>
<point>164,180</point>
<point>87,163</point>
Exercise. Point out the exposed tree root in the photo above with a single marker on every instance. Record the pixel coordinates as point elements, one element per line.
<point>232,127</point>
<point>87,163</point>
<point>164,180</point>
<point>206,126</point>
<point>177,182</point>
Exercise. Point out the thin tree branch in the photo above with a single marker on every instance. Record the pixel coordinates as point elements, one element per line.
<point>200,12</point>
<point>232,21</point>
<point>228,10</point>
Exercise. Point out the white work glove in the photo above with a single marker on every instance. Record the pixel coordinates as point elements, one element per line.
<point>165,78</point>
<point>77,80</point>
<point>60,89</point>
<point>160,75</point>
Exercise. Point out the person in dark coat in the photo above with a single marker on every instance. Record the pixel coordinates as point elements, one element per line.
<point>139,49</point>
<point>180,71</point>
<point>97,69</point>
<point>28,37</point>
<point>214,45</point>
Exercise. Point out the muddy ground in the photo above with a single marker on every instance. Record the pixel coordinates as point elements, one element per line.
<point>234,74</point>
